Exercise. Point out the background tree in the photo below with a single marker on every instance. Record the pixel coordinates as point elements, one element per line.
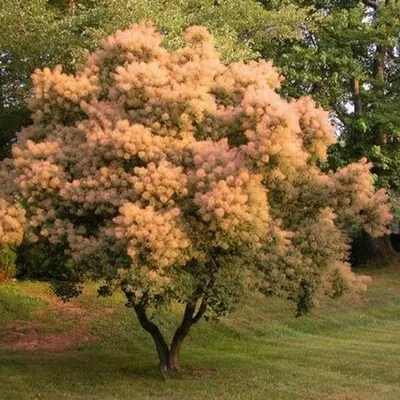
<point>175,177</point>
<point>347,58</point>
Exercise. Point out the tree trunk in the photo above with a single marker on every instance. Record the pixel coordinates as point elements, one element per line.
<point>179,337</point>
<point>169,357</point>
<point>175,352</point>
<point>365,249</point>
<point>190,318</point>
<point>158,338</point>
<point>72,6</point>
<point>382,248</point>
<point>379,70</point>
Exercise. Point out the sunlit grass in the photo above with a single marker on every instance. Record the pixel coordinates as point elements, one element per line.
<point>343,351</point>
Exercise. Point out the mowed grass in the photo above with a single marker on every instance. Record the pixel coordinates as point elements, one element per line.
<point>347,350</point>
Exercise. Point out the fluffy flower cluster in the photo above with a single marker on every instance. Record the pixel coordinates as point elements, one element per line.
<point>81,247</point>
<point>356,202</point>
<point>57,93</point>
<point>123,140</point>
<point>152,236</point>
<point>12,219</point>
<point>214,161</point>
<point>234,202</point>
<point>320,242</point>
<point>160,184</point>
<point>41,178</point>
<point>230,199</point>
<point>103,190</point>
<point>271,128</point>
<point>234,80</point>
<point>316,130</point>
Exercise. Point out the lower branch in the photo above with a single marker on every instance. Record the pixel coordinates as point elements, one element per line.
<point>201,312</point>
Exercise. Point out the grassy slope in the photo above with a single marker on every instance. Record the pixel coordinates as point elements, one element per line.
<point>262,352</point>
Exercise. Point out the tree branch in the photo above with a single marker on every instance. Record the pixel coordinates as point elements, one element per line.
<point>200,312</point>
<point>356,96</point>
<point>188,315</point>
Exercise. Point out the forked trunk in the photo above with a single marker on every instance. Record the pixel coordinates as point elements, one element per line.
<point>169,357</point>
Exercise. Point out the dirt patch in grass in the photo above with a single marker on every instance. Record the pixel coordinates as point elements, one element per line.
<point>27,336</point>
<point>67,308</point>
<point>342,394</point>
<point>58,326</point>
<point>24,335</point>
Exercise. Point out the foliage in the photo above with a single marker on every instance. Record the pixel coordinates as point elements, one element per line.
<point>7,264</point>
<point>327,49</point>
<point>347,58</point>
<point>12,219</point>
<point>174,176</point>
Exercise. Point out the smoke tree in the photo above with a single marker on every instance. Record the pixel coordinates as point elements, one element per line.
<point>172,176</point>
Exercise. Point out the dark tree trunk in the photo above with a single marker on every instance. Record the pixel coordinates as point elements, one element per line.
<point>179,337</point>
<point>382,248</point>
<point>379,70</point>
<point>189,319</point>
<point>169,357</point>
<point>159,341</point>
<point>366,249</point>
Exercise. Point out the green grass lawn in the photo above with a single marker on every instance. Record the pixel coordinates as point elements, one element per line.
<point>94,349</point>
